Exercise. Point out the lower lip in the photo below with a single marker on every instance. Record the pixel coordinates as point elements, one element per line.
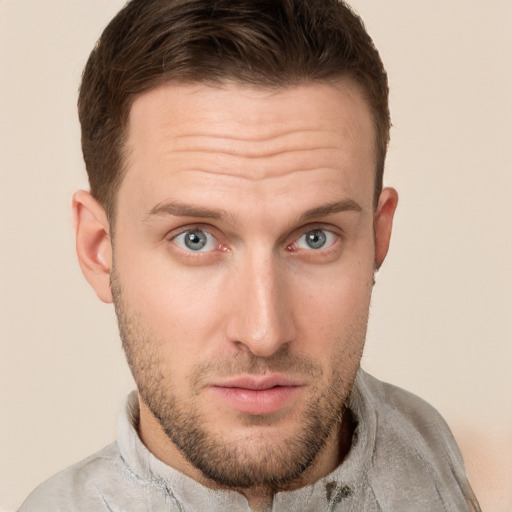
<point>257,402</point>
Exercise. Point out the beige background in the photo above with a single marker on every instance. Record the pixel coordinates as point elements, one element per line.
<point>441,318</point>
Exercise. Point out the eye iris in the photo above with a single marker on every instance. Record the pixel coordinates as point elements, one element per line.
<point>195,240</point>
<point>316,239</point>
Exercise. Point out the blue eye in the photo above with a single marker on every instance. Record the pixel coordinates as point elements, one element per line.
<point>316,239</point>
<point>195,240</point>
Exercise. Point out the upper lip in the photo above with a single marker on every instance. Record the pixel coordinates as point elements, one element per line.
<point>256,383</point>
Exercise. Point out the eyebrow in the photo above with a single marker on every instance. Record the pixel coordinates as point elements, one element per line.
<point>345,205</point>
<point>185,210</point>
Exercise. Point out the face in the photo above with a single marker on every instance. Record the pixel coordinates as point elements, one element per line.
<point>243,263</point>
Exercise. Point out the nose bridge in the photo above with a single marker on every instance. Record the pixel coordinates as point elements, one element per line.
<point>262,317</point>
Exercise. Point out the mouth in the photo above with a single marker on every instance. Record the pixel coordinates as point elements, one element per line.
<point>255,395</point>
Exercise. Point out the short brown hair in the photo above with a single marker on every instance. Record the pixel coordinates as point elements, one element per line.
<point>269,43</point>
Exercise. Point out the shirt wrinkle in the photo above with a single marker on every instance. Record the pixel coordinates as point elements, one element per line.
<point>173,498</point>
<point>105,502</point>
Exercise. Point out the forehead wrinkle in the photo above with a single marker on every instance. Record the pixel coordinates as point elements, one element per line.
<point>258,176</point>
<point>271,136</point>
<point>256,165</point>
<point>254,147</point>
<point>249,155</point>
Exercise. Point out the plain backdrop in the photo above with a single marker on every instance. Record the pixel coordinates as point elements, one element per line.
<point>441,316</point>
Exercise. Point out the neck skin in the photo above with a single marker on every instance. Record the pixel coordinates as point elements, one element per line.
<point>330,457</point>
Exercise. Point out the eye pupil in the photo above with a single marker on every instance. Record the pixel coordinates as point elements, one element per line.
<point>195,240</point>
<point>316,239</point>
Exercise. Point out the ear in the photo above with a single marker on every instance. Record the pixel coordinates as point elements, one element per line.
<point>383,223</point>
<point>93,244</point>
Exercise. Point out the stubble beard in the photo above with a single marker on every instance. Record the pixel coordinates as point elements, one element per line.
<point>257,462</point>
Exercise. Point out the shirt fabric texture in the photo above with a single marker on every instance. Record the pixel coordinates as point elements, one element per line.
<point>403,458</point>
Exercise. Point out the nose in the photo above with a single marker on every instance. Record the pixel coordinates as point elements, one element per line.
<point>262,307</point>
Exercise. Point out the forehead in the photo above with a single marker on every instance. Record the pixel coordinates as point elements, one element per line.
<point>179,110</point>
<point>261,142</point>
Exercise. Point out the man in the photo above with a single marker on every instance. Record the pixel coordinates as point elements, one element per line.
<point>236,218</point>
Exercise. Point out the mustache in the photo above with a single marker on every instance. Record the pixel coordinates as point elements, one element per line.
<point>247,363</point>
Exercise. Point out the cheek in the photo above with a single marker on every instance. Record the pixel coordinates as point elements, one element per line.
<point>178,308</point>
<point>338,291</point>
<point>333,308</point>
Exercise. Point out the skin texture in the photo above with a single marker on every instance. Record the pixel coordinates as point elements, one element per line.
<point>253,172</point>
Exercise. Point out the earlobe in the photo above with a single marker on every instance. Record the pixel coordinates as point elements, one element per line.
<point>93,243</point>
<point>383,223</point>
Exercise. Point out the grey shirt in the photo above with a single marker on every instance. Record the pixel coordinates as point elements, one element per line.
<point>403,459</point>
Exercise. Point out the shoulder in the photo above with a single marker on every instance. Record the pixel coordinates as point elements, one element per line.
<point>414,452</point>
<point>407,418</point>
<point>79,486</point>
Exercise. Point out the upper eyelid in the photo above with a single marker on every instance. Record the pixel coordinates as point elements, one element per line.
<point>173,233</point>
<point>311,226</point>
